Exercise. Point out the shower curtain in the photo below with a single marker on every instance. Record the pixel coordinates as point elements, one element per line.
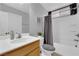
<point>48,35</point>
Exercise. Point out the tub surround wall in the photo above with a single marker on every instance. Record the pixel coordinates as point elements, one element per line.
<point>65,29</point>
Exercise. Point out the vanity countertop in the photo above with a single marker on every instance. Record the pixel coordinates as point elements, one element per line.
<point>8,44</point>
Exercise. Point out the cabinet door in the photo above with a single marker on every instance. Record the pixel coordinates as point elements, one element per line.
<point>35,52</point>
<point>3,22</point>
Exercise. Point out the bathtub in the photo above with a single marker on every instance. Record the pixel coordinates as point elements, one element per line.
<point>66,50</point>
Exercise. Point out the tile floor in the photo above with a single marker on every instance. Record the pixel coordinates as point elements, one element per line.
<point>54,54</point>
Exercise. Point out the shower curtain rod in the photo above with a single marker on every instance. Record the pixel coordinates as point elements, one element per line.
<point>59,8</point>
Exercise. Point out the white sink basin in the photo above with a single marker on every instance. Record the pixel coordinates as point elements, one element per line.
<point>19,40</point>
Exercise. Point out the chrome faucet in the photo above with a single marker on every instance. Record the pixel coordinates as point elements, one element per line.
<point>12,35</point>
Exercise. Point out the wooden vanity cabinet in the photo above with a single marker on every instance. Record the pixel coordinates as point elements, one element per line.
<point>32,49</point>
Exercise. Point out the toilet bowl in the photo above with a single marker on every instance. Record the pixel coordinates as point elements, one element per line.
<point>46,53</point>
<point>47,50</point>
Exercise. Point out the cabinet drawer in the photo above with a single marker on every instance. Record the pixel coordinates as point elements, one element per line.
<point>35,52</point>
<point>24,50</point>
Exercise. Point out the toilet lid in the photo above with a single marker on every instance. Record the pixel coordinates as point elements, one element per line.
<point>48,47</point>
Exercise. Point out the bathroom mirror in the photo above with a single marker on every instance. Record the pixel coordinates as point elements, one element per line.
<point>13,19</point>
<point>10,21</point>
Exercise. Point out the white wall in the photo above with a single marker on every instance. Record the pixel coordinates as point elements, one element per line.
<point>65,29</point>
<point>36,10</point>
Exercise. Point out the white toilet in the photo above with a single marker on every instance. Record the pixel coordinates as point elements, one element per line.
<point>46,49</point>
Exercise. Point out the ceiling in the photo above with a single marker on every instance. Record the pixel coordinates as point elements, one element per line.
<point>20,6</point>
<point>53,6</point>
<point>25,6</point>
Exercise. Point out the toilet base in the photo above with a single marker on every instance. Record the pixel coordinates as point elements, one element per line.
<point>46,53</point>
